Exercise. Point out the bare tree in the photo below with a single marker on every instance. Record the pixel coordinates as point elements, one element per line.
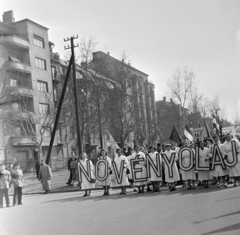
<point>120,106</point>
<point>180,85</point>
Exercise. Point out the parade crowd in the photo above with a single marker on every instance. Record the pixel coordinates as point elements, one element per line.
<point>165,156</point>
<point>188,164</point>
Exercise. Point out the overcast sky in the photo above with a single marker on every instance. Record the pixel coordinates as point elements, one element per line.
<point>158,36</point>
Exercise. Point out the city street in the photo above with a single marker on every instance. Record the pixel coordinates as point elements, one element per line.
<point>200,211</point>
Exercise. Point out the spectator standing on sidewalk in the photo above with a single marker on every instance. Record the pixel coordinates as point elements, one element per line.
<point>45,176</point>
<point>17,180</point>
<point>37,167</point>
<point>5,179</point>
<point>70,160</point>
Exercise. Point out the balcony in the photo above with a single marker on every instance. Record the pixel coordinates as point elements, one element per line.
<point>55,57</point>
<point>17,65</point>
<point>23,141</point>
<point>15,41</point>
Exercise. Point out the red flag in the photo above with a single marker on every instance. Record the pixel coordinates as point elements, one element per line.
<point>175,136</point>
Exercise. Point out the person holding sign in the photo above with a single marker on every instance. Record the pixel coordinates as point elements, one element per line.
<point>88,167</point>
<point>104,169</point>
<point>171,172</point>
<point>218,168</point>
<point>130,176</point>
<point>153,176</point>
<point>120,165</point>
<point>203,175</point>
<point>187,159</point>
<point>142,166</point>
<point>231,153</point>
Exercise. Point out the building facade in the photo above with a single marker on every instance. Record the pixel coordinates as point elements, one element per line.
<point>26,67</point>
<point>139,92</point>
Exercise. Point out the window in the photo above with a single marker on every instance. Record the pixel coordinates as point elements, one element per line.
<point>38,41</point>
<point>42,86</point>
<point>55,94</point>
<point>15,106</point>
<point>13,82</point>
<point>47,133</point>
<point>54,72</point>
<point>40,63</point>
<point>72,133</point>
<point>14,57</point>
<point>44,108</point>
<point>140,114</point>
<point>17,131</point>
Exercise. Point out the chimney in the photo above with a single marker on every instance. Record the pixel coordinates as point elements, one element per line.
<point>8,17</point>
<point>170,100</point>
<point>108,53</point>
<point>164,98</point>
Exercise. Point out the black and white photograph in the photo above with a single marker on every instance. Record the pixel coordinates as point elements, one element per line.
<point>120,117</point>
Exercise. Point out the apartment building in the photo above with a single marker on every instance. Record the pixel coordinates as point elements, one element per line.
<point>26,63</point>
<point>140,95</point>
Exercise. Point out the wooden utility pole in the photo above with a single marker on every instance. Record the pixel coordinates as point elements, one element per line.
<point>75,91</point>
<point>59,111</point>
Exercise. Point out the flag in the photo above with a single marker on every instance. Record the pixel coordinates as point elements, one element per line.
<point>175,136</point>
<point>208,130</point>
<point>216,126</point>
<point>187,133</point>
<point>114,144</point>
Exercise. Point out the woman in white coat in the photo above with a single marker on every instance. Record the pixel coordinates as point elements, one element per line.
<point>141,165</point>
<point>204,176</point>
<point>101,171</point>
<point>154,178</point>
<point>189,175</point>
<point>227,152</point>
<point>167,156</point>
<point>218,173</point>
<point>85,184</point>
<point>119,158</point>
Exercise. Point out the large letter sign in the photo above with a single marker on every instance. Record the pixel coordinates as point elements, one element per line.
<point>198,167</point>
<point>217,157</point>
<point>102,161</point>
<point>87,173</point>
<point>119,174</point>
<point>133,163</point>
<point>234,155</point>
<point>169,163</point>
<point>180,154</point>
<point>156,168</point>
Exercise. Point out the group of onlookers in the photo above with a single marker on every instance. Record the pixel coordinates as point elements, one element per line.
<point>13,175</point>
<point>8,178</point>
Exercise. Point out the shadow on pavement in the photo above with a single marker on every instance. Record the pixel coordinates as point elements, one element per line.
<point>114,196</point>
<point>225,229</point>
<point>228,199</point>
<point>218,217</point>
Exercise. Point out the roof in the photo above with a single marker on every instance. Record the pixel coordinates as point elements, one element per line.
<point>129,66</point>
<point>33,22</point>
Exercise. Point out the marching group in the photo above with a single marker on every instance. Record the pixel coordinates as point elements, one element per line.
<point>171,174</point>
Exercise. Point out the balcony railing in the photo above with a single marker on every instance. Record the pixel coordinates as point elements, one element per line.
<point>19,66</point>
<point>15,41</point>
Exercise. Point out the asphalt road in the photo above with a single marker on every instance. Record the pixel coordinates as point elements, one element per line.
<point>200,211</point>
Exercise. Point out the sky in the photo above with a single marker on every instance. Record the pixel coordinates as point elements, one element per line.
<point>157,35</point>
